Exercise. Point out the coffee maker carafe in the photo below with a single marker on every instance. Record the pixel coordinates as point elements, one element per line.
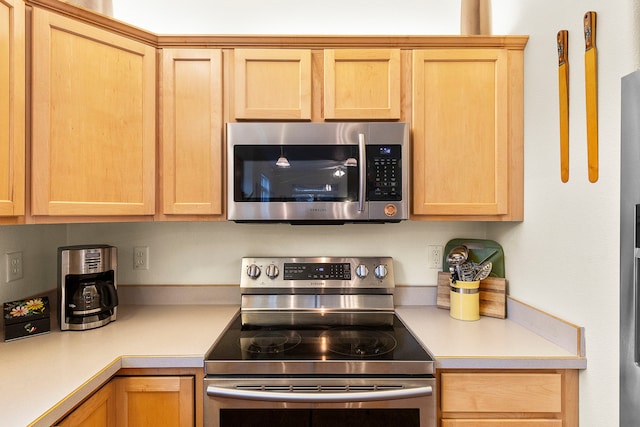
<point>87,286</point>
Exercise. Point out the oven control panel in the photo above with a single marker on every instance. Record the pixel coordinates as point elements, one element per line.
<point>320,272</point>
<point>315,271</point>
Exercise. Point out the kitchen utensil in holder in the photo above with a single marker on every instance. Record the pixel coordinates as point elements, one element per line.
<point>465,300</point>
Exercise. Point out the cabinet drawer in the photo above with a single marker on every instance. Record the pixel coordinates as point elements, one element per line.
<point>501,423</point>
<point>501,392</point>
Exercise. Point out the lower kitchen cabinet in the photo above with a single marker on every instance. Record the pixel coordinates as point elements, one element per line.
<point>509,398</point>
<point>97,411</point>
<point>140,401</point>
<point>154,401</point>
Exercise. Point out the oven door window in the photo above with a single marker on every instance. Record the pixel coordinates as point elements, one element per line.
<point>296,173</point>
<point>319,417</point>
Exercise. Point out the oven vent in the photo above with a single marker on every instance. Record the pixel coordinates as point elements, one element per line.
<point>320,388</point>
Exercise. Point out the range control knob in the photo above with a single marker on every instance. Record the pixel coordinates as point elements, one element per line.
<point>253,271</point>
<point>362,271</point>
<point>381,271</point>
<point>272,271</point>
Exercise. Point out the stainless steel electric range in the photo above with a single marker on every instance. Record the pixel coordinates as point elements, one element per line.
<point>317,343</point>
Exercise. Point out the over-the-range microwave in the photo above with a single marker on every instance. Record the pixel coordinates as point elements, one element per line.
<point>308,173</point>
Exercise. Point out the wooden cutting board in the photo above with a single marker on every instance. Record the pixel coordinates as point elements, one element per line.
<point>493,295</point>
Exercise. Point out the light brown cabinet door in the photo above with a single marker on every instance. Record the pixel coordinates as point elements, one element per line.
<point>97,411</point>
<point>462,140</point>
<point>507,398</point>
<point>12,105</point>
<point>155,401</point>
<point>93,108</point>
<point>501,392</point>
<point>272,84</point>
<point>362,84</point>
<point>191,123</point>
<point>501,423</point>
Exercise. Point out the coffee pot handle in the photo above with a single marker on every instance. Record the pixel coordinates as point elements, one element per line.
<point>110,290</point>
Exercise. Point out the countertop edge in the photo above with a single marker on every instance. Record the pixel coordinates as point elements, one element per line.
<point>510,363</point>
<point>78,395</point>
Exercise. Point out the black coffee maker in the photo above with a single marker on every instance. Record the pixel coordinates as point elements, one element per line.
<point>87,286</point>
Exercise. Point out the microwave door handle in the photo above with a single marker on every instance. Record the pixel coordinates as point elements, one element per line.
<point>636,307</point>
<point>362,149</point>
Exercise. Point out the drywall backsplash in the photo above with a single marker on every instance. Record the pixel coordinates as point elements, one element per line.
<point>210,252</point>
<point>39,246</point>
<point>203,253</point>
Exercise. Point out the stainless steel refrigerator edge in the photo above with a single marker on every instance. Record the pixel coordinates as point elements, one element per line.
<point>629,251</point>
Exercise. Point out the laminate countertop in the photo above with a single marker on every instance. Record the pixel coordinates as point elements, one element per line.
<point>45,376</point>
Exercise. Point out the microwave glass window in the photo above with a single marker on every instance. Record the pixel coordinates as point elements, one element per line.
<point>296,173</point>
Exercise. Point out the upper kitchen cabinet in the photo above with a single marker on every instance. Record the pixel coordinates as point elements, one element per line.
<point>93,109</point>
<point>362,84</point>
<point>272,84</point>
<point>12,109</point>
<point>318,84</point>
<point>468,134</point>
<point>191,132</point>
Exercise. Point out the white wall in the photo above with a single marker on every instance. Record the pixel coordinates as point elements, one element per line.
<point>291,16</point>
<point>563,258</point>
<point>38,244</point>
<point>210,252</point>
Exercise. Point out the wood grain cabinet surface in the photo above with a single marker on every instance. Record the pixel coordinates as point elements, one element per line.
<point>362,84</point>
<point>154,401</point>
<point>191,145</point>
<point>99,410</point>
<point>94,114</point>
<point>281,84</point>
<point>272,84</point>
<point>544,398</point>
<point>93,108</point>
<point>467,134</point>
<point>140,401</point>
<point>12,109</point>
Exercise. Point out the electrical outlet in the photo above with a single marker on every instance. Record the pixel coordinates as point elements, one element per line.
<point>141,258</point>
<point>14,266</point>
<point>434,256</point>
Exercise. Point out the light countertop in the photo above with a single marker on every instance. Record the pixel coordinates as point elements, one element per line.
<point>485,343</point>
<point>45,376</point>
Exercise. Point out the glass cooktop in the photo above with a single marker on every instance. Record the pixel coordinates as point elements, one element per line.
<point>318,343</point>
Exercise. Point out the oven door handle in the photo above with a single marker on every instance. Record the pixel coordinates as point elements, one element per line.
<point>319,396</point>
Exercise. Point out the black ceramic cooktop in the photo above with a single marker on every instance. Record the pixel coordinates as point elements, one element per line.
<point>318,342</point>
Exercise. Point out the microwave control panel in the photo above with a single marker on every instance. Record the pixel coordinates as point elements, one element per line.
<point>384,172</point>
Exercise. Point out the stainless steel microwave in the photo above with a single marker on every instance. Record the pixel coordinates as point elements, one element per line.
<point>317,172</point>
